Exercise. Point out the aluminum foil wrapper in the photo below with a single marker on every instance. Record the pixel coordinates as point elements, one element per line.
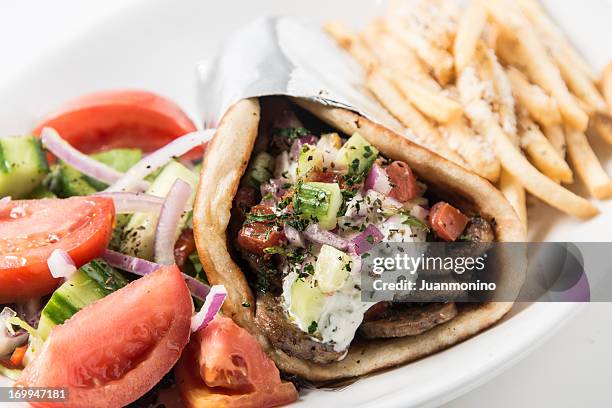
<point>284,56</point>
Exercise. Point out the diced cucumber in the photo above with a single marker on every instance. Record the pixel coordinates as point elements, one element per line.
<point>91,282</point>
<point>310,159</point>
<point>318,203</point>
<point>75,183</point>
<point>357,155</point>
<point>260,170</point>
<point>23,165</point>
<point>139,233</point>
<point>307,302</point>
<point>332,269</point>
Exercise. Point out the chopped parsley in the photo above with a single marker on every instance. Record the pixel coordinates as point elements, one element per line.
<point>313,327</point>
<point>414,222</point>
<point>293,133</point>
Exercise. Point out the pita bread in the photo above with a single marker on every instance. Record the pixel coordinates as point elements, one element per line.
<point>224,164</point>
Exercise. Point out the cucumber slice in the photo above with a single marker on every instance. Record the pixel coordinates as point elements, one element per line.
<point>318,202</point>
<point>332,269</point>
<point>311,158</point>
<point>307,303</point>
<point>23,165</point>
<point>357,155</point>
<point>91,282</point>
<point>139,233</point>
<point>260,170</point>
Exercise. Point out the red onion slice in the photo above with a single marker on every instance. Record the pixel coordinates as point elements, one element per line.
<point>127,203</point>
<point>209,310</point>
<point>367,239</point>
<point>168,224</point>
<point>61,264</point>
<point>9,339</point>
<point>178,147</point>
<point>316,234</point>
<point>80,161</point>
<point>378,180</point>
<point>293,236</point>
<point>143,267</point>
<point>297,145</point>
<point>4,201</point>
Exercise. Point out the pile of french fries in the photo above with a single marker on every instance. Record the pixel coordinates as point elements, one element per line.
<point>494,86</point>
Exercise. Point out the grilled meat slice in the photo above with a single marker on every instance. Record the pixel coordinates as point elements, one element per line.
<point>401,320</point>
<point>283,334</point>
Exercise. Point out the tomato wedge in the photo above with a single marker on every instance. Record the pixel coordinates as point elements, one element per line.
<point>114,351</point>
<point>447,221</point>
<point>32,229</point>
<point>225,366</point>
<point>125,118</point>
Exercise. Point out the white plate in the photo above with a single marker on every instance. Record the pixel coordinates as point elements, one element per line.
<point>155,45</point>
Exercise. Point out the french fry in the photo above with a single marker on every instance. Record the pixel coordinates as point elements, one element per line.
<point>471,25</point>
<point>606,85</point>
<point>505,100</point>
<point>556,137</point>
<point>425,133</point>
<point>397,57</point>
<point>438,60</point>
<point>477,154</point>
<point>433,104</point>
<point>535,13</point>
<point>578,82</point>
<point>515,194</point>
<point>346,38</point>
<point>540,67</point>
<point>541,153</point>
<point>490,35</point>
<point>431,14</point>
<point>587,164</point>
<point>542,108</point>
<point>601,123</point>
<point>512,160</point>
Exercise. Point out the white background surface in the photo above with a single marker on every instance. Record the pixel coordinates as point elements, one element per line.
<point>574,368</point>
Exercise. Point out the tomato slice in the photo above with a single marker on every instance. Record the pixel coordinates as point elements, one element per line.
<point>447,221</point>
<point>403,182</point>
<point>114,351</point>
<point>32,229</point>
<point>225,366</point>
<point>125,118</point>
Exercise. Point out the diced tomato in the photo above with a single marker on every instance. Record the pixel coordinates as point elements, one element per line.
<point>125,118</point>
<point>114,351</point>
<point>403,182</point>
<point>225,366</point>
<point>184,246</point>
<point>32,229</point>
<point>246,197</point>
<point>447,221</point>
<point>257,236</point>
